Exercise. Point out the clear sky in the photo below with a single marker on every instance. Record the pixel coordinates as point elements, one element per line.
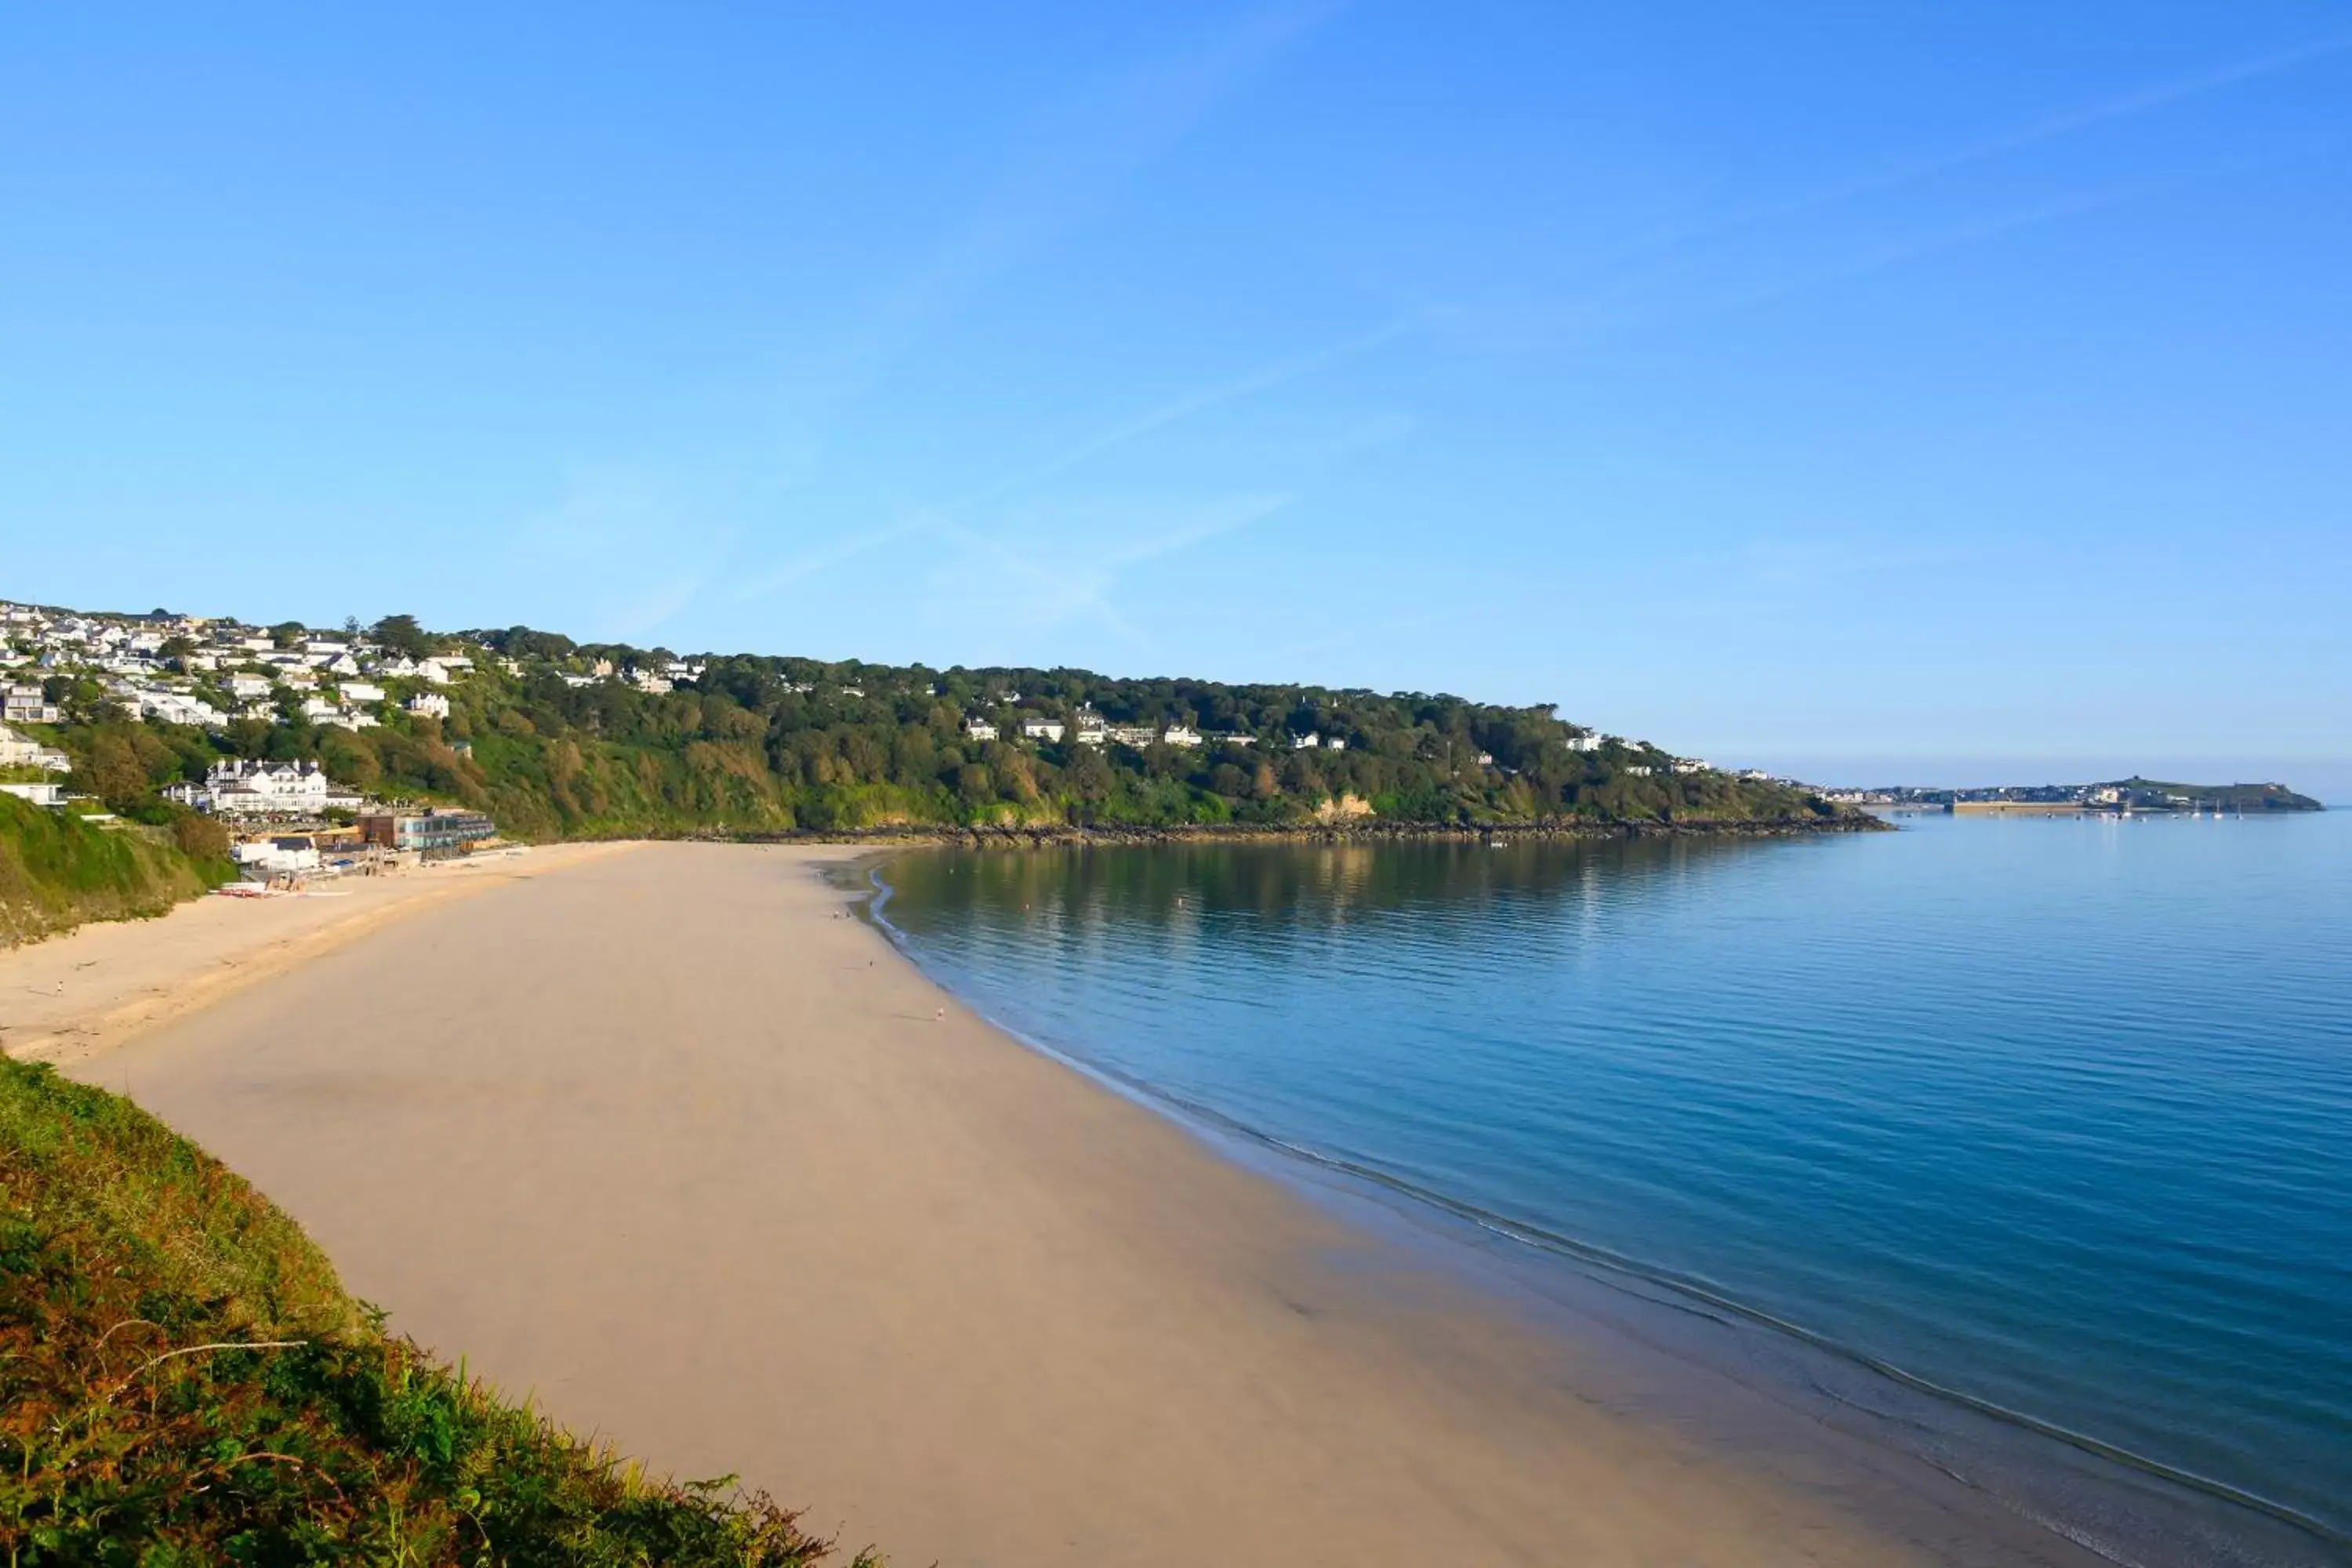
<point>1931,392</point>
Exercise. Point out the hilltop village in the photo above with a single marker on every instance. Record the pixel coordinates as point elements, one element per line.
<point>2119,798</point>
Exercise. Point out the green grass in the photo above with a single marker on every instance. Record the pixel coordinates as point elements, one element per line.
<point>183,1382</point>
<point>57,871</point>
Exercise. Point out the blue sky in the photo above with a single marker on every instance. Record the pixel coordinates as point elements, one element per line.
<point>1878,391</point>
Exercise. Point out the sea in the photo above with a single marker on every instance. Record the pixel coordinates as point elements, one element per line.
<point>2042,1124</point>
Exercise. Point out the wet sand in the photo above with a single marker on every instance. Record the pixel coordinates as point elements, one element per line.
<point>673,1144</point>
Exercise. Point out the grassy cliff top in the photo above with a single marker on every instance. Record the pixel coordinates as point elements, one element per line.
<point>58,871</point>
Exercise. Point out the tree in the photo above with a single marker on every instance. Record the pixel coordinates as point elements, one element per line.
<point>1089,775</point>
<point>110,770</point>
<point>200,837</point>
<point>1014,778</point>
<point>401,635</point>
<point>522,642</point>
<point>349,759</point>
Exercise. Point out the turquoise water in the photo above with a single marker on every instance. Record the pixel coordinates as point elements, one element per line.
<point>2056,1114</point>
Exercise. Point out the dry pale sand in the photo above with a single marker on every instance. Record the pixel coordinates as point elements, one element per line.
<point>674,1143</point>
<point>95,987</point>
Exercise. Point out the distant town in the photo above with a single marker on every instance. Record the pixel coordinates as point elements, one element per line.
<point>2121,797</point>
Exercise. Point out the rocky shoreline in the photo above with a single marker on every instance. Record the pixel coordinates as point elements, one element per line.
<point>1060,835</point>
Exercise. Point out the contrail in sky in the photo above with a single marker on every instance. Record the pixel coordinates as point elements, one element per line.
<point>2145,101</point>
<point>1257,381</point>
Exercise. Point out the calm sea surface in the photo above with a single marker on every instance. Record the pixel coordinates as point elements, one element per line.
<point>2057,1114</point>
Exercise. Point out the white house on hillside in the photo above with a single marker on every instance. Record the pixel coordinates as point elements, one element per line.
<point>241,788</point>
<point>26,705</point>
<point>179,707</point>
<point>18,751</point>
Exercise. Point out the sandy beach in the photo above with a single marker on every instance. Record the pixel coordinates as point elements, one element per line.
<point>95,987</point>
<point>674,1142</point>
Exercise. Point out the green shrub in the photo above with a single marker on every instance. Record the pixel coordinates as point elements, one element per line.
<point>58,871</point>
<point>200,837</point>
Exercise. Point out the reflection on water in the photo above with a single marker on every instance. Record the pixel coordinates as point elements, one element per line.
<point>2057,1113</point>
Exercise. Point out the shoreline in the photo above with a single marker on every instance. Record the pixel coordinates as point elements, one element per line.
<point>1058,1316</point>
<point>2067,1483</point>
<point>1055,836</point>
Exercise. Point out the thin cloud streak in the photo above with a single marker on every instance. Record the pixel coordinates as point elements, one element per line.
<point>2049,128</point>
<point>818,562</point>
<point>1087,589</point>
<point>1095,146</point>
<point>1896,255</point>
<point>1262,380</point>
<point>1101,144</point>
<point>1069,592</point>
<point>1882,257</point>
<point>2130,106</point>
<point>944,520</point>
<point>1230,518</point>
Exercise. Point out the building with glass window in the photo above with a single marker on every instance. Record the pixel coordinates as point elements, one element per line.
<point>429,832</point>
